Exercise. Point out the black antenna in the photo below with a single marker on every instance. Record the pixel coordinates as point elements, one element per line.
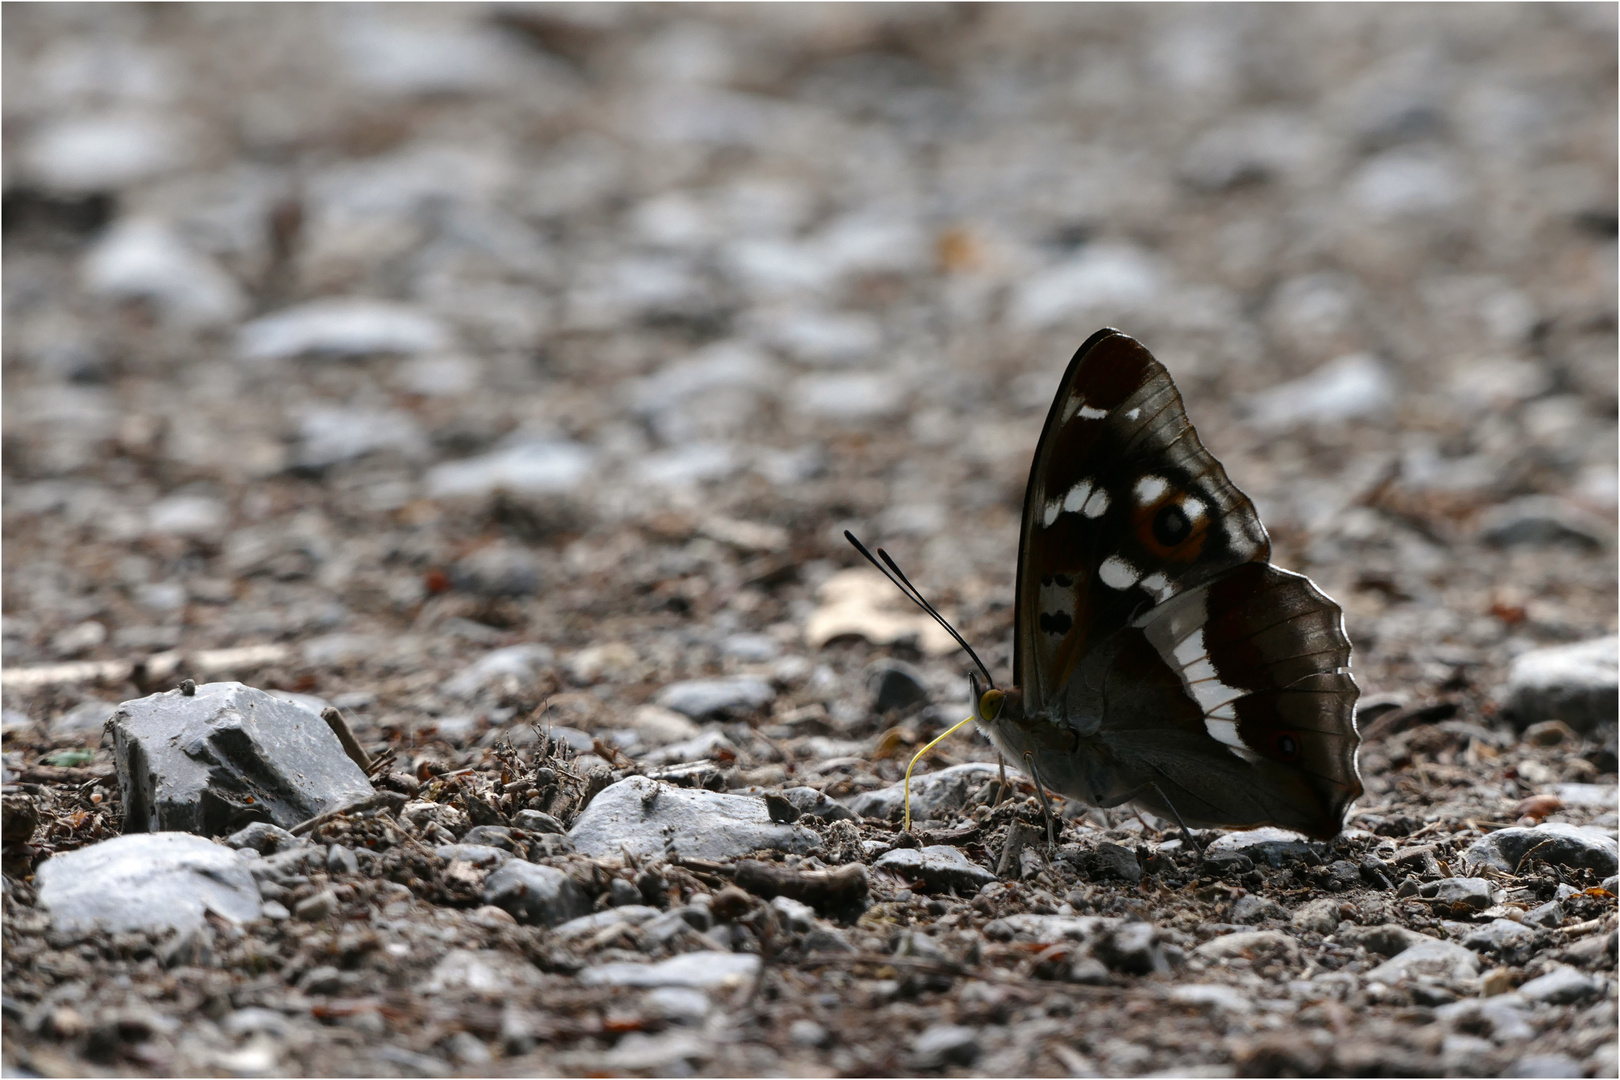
<point>893,572</point>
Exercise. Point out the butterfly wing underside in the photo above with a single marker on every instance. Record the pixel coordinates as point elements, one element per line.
<point>1146,597</point>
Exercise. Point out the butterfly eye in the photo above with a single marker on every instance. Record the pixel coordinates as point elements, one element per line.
<point>990,704</point>
<point>1170,525</point>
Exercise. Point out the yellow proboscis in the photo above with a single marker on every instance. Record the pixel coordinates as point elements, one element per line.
<point>915,757</point>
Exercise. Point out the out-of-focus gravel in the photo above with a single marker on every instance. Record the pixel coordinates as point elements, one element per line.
<point>489,372</point>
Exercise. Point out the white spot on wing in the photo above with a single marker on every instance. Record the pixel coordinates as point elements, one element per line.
<point>1116,573</point>
<point>1086,412</point>
<point>1190,649</point>
<point>1150,488</point>
<point>1076,498</point>
<point>1133,414</point>
<point>1209,690</point>
<point>1096,505</point>
<point>1157,584</point>
<point>1226,731</point>
<point>1193,508</point>
<point>1049,513</point>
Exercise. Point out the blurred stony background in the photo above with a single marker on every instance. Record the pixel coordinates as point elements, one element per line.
<point>448,363</point>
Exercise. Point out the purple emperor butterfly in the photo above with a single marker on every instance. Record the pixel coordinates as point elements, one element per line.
<point>1159,658</point>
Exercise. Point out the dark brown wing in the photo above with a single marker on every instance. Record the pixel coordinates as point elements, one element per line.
<point>1124,509</point>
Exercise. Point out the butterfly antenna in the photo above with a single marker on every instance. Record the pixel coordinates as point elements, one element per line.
<point>893,572</point>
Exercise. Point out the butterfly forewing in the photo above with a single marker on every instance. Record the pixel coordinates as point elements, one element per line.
<point>1124,509</point>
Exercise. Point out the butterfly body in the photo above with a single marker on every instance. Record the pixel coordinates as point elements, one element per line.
<point>1160,659</point>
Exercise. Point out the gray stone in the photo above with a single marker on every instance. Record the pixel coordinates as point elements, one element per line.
<point>148,881</point>
<point>1561,986</point>
<point>498,570</point>
<point>520,663</point>
<point>534,894</point>
<point>1550,914</point>
<point>1386,939</point>
<point>1218,997</point>
<point>1109,861</point>
<point>1553,842</point>
<point>1319,916</point>
<point>1047,929</point>
<point>1106,276</point>
<point>1611,885</point>
<point>323,905</point>
<point>895,685</point>
<point>1475,893</point>
<point>1270,845</point>
<point>1510,942</point>
<point>1502,1016</point>
<point>331,435</point>
<point>1253,909</point>
<point>1432,958</point>
<point>1252,944</point>
<point>1133,948</point>
<point>751,648</point>
<point>937,866</point>
<point>589,925</point>
<point>147,260</point>
<point>227,756</point>
<point>808,800</point>
<point>643,819</point>
<point>710,744</point>
<point>528,467</point>
<point>809,1034</point>
<point>1344,389</point>
<point>1548,1067</point>
<point>499,836</point>
<point>945,1044</point>
<point>477,854</point>
<point>697,971</point>
<point>851,397</point>
<point>1578,684</point>
<point>933,795</point>
<point>340,328</point>
<point>703,699</point>
<point>537,821</point>
<point>342,860</point>
<point>80,154</point>
<point>481,971</point>
<point>85,719</point>
<point>1541,521</point>
<point>827,939</point>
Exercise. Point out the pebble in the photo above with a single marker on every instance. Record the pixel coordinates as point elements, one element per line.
<point>1555,842</point>
<point>1319,916</point>
<point>523,663</point>
<point>489,972</point>
<point>703,699</point>
<point>537,821</point>
<point>849,397</point>
<point>146,260</point>
<point>1047,929</point>
<point>229,752</point>
<point>80,155</point>
<point>1102,281</point>
<point>827,939</point>
<point>1253,944</point>
<point>945,1044</point>
<point>1348,388</point>
<point>934,796</point>
<point>809,1034</point>
<point>1548,1067</point>
<point>146,881</point>
<point>1109,861</point>
<point>1215,996</point>
<point>1253,909</point>
<point>1541,521</point>
<point>1510,942</point>
<point>862,603</point>
<point>895,685</point>
<point>85,718</point>
<point>1578,684</point>
<point>526,467</point>
<point>936,867</point>
<point>1133,948</point>
<point>1267,844</point>
<point>696,971</point>
<point>644,819</point>
<point>1475,893</point>
<point>1561,986</point>
<point>1430,957</point>
<point>480,855</point>
<point>808,800</point>
<point>331,435</point>
<point>1550,914</point>
<point>711,744</point>
<point>340,328</point>
<point>677,1004</point>
<point>541,895</point>
<point>200,517</point>
<point>323,905</point>
<point>1386,939</point>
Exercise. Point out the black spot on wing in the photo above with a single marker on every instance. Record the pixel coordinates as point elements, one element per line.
<point>1056,622</point>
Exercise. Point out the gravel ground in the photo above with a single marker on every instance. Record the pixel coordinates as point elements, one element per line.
<point>494,373</point>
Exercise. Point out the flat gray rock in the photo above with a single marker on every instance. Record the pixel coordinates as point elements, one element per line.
<point>1554,842</point>
<point>933,795</point>
<point>226,757</point>
<point>937,867</point>
<point>645,819</point>
<point>1268,844</point>
<point>703,699</point>
<point>1472,892</point>
<point>534,894</point>
<point>1561,986</point>
<point>149,881</point>
<point>1431,957</point>
<point>1578,684</point>
<point>340,327</point>
<point>698,971</point>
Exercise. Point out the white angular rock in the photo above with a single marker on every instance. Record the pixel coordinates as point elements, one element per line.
<point>146,260</point>
<point>347,327</point>
<point>148,881</point>
<point>644,819</point>
<point>1431,957</point>
<point>1578,684</point>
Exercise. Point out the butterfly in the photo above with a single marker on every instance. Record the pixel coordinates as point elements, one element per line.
<point>1160,659</point>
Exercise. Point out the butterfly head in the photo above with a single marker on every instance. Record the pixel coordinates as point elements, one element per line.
<point>990,704</point>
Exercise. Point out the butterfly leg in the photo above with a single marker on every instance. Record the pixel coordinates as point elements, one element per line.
<point>1186,833</point>
<point>1046,809</point>
<point>1001,792</point>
